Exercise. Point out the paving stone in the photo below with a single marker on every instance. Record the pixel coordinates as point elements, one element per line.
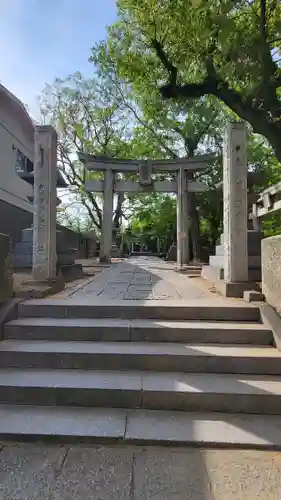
<point>95,474</point>
<point>44,472</point>
<point>114,290</point>
<point>170,474</point>
<point>29,472</point>
<point>143,278</point>
<point>139,292</point>
<point>243,475</point>
<point>141,281</point>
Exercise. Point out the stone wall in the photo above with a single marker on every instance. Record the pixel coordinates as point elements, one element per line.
<point>14,219</point>
<point>6,269</point>
<point>74,240</point>
<point>271,271</point>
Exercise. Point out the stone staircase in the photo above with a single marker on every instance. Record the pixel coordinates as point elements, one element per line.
<point>160,372</point>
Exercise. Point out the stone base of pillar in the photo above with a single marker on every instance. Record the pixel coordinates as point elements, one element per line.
<point>189,270</point>
<point>115,253</point>
<point>172,253</point>
<point>236,289</point>
<point>34,289</point>
<point>215,270</point>
<point>105,260</point>
<point>23,253</point>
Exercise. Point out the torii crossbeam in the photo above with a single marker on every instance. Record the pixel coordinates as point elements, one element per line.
<point>145,183</point>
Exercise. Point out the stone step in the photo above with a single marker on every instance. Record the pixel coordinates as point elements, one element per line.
<point>155,391</point>
<point>141,427</point>
<point>77,329</point>
<point>114,389</point>
<point>212,310</point>
<point>158,357</point>
<point>201,392</point>
<point>137,330</point>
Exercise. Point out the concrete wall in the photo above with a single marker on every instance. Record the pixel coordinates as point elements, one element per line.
<point>13,219</point>
<point>16,211</point>
<point>16,132</point>
<point>271,271</point>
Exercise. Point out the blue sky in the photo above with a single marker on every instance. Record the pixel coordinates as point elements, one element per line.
<point>44,39</point>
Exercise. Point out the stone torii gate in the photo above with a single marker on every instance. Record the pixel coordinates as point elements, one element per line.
<point>145,183</point>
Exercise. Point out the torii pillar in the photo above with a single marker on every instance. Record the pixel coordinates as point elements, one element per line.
<point>106,230</point>
<point>183,256</point>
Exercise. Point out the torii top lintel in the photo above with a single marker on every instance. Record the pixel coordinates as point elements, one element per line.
<point>193,163</point>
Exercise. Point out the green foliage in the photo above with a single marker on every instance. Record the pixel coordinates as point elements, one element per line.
<point>192,48</point>
<point>120,111</point>
<point>191,30</point>
<point>88,120</point>
<point>153,216</point>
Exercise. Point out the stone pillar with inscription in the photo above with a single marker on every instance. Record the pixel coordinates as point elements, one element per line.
<point>182,220</point>
<point>235,205</point>
<point>106,233</point>
<point>45,201</point>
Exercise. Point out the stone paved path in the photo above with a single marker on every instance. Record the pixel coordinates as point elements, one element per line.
<point>142,278</point>
<point>53,472</point>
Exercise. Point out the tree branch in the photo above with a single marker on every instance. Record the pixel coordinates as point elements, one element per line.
<point>118,210</point>
<point>90,212</point>
<point>194,90</point>
<point>269,65</point>
<point>263,23</point>
<point>192,144</point>
<point>189,90</point>
<point>143,122</point>
<point>76,180</point>
<point>161,54</point>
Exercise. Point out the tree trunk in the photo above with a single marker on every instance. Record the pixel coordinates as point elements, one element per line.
<point>194,227</point>
<point>260,119</point>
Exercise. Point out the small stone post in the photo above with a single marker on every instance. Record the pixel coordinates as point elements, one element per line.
<point>182,220</point>
<point>158,245</point>
<point>45,202</point>
<point>6,269</point>
<point>235,209</point>
<point>106,234</point>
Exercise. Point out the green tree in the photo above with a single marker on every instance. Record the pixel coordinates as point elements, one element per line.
<point>153,216</point>
<point>90,121</point>
<point>192,48</point>
<point>165,129</point>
